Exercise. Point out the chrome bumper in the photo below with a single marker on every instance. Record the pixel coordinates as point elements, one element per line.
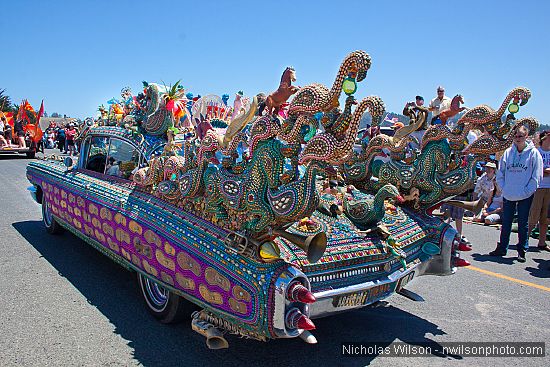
<point>334,301</point>
<point>441,264</point>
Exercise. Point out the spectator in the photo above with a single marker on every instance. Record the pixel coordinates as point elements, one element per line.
<point>541,200</point>
<point>49,138</point>
<point>438,104</point>
<point>418,102</point>
<point>61,140</point>
<point>457,214</point>
<point>8,132</point>
<point>3,141</point>
<point>19,133</point>
<point>491,213</point>
<point>519,174</point>
<point>70,133</point>
<point>536,139</point>
<point>486,183</point>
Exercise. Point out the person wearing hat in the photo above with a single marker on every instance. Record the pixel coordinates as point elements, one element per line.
<point>519,175</point>
<point>418,102</point>
<point>485,190</point>
<point>541,200</point>
<point>486,183</point>
<point>439,103</point>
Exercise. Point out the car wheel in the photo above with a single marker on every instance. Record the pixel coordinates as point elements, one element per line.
<point>49,221</point>
<point>165,306</point>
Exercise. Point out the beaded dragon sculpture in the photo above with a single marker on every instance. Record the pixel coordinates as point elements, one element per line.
<point>261,192</point>
<point>440,168</point>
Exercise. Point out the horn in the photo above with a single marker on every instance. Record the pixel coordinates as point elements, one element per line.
<point>473,206</point>
<point>314,245</point>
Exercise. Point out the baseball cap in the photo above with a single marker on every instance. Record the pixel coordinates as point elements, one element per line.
<point>490,165</point>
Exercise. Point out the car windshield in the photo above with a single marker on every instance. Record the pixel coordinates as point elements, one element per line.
<point>122,159</point>
<point>97,154</point>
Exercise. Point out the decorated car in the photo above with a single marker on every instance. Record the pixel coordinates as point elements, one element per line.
<point>237,214</point>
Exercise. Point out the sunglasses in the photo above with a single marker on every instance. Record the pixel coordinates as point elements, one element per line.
<point>520,136</point>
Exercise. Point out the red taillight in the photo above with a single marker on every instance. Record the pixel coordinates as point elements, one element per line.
<point>295,319</point>
<point>298,293</point>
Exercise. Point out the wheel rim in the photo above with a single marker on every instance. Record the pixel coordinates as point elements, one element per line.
<point>47,214</point>
<point>157,296</point>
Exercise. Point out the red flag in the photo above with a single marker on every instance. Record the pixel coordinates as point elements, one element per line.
<point>40,113</point>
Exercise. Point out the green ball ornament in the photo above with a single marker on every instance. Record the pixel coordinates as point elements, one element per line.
<point>349,86</point>
<point>513,108</point>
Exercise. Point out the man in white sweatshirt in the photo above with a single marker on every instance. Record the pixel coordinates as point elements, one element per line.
<point>519,175</point>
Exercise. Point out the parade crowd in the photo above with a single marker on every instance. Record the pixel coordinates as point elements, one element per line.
<point>515,184</point>
<point>61,137</point>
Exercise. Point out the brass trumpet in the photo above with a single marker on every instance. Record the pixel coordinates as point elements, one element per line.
<point>314,245</point>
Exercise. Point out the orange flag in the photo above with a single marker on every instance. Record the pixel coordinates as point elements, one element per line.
<point>34,130</point>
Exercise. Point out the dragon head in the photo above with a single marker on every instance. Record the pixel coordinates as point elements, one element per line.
<point>357,64</point>
<point>520,95</point>
<point>389,191</point>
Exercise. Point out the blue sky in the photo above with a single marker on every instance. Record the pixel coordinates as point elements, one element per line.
<point>78,54</point>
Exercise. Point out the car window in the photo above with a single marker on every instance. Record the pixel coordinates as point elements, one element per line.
<point>122,159</point>
<point>97,154</point>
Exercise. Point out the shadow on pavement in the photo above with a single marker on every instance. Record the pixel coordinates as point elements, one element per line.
<point>113,291</point>
<point>543,269</point>
<point>495,259</point>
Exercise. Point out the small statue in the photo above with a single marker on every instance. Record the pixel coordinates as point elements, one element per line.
<point>276,99</point>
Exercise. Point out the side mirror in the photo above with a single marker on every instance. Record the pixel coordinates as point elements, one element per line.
<point>68,162</point>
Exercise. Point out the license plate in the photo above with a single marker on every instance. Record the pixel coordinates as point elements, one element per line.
<point>405,280</point>
<point>363,297</point>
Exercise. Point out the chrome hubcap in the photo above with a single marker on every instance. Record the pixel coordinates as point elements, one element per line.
<point>157,294</point>
<point>47,214</point>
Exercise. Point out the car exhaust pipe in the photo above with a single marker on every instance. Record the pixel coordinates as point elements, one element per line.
<point>214,337</point>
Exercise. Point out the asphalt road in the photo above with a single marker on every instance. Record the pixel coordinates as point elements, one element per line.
<point>62,303</point>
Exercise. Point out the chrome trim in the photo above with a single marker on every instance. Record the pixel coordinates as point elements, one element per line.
<point>324,306</point>
<point>281,304</point>
<point>441,264</point>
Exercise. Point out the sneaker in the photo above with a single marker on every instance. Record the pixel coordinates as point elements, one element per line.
<point>464,247</point>
<point>464,240</point>
<point>521,257</point>
<point>497,252</point>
